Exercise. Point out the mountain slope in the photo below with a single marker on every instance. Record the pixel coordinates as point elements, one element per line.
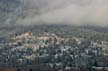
<point>7,7</point>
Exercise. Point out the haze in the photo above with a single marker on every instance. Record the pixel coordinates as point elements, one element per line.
<point>72,12</point>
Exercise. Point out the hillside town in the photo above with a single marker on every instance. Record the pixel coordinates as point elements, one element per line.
<point>60,53</point>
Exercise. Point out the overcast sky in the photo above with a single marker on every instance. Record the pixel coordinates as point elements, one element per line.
<point>73,12</point>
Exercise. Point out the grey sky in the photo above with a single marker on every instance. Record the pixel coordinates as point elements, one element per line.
<point>75,12</point>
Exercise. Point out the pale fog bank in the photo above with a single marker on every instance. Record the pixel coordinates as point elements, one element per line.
<point>72,12</point>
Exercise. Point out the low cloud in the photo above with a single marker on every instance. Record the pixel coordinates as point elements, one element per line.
<point>72,12</point>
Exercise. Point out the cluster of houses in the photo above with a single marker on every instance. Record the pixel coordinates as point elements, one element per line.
<point>25,48</point>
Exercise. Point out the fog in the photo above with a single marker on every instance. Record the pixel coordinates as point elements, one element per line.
<point>72,12</point>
